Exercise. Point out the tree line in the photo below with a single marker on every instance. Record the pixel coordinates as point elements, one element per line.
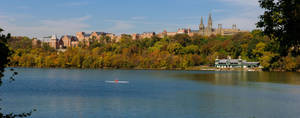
<point>175,52</point>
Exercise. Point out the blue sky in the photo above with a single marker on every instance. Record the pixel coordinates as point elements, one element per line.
<point>37,18</point>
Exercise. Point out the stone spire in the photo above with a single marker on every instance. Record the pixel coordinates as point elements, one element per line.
<point>208,29</point>
<point>201,26</point>
<point>209,23</point>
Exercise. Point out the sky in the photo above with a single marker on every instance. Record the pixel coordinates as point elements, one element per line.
<point>39,18</point>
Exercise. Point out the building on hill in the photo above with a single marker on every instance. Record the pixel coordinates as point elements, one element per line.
<point>209,30</point>
<point>147,35</point>
<point>135,36</point>
<point>85,38</point>
<point>69,41</point>
<point>97,36</point>
<point>54,42</point>
<point>111,36</point>
<point>82,36</point>
<point>36,43</point>
<point>64,42</point>
<point>204,31</point>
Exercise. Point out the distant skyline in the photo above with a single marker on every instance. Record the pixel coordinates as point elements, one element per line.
<point>37,18</point>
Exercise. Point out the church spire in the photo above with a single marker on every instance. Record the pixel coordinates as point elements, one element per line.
<point>201,26</point>
<point>209,29</point>
<point>209,23</point>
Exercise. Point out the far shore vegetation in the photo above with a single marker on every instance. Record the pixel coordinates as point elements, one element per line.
<point>177,52</point>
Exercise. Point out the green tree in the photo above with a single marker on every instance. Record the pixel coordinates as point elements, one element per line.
<point>5,52</point>
<point>191,49</point>
<point>183,39</point>
<point>174,48</point>
<point>280,22</point>
<point>259,50</point>
<point>289,63</point>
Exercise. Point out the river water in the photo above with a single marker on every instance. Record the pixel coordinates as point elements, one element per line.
<point>75,93</point>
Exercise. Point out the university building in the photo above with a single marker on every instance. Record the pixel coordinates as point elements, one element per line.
<point>67,41</point>
<point>205,30</point>
<point>85,39</point>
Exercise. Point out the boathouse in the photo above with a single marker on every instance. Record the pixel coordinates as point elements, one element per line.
<point>234,63</point>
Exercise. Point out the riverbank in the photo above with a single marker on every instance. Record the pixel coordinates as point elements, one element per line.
<point>208,68</point>
<point>193,68</point>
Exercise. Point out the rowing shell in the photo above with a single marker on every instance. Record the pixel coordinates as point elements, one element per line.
<point>117,82</point>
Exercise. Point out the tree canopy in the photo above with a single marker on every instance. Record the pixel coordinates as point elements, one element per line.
<point>174,52</point>
<point>281,22</point>
<point>5,52</point>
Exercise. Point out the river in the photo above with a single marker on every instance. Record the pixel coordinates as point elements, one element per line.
<point>78,93</point>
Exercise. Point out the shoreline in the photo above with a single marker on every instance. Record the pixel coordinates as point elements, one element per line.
<point>194,68</point>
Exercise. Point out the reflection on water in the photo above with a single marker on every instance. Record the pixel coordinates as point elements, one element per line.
<point>243,77</point>
<point>63,93</point>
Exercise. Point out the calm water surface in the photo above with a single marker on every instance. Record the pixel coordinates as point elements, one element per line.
<point>63,93</point>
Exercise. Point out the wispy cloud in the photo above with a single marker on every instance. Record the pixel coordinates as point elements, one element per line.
<point>23,7</point>
<point>190,18</point>
<point>72,4</point>
<point>120,26</point>
<point>245,17</point>
<point>45,27</point>
<point>241,2</point>
<point>242,23</point>
<point>138,18</point>
<point>218,10</point>
<point>139,26</point>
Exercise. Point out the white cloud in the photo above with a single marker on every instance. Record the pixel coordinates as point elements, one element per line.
<point>190,18</point>
<point>23,7</point>
<point>245,20</point>
<point>73,4</point>
<point>245,14</point>
<point>139,26</point>
<point>138,18</point>
<point>241,2</point>
<point>44,27</point>
<point>218,10</point>
<point>120,26</point>
<point>242,23</point>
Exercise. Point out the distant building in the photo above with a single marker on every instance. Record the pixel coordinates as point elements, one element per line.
<point>64,42</point>
<point>204,31</point>
<point>36,43</point>
<point>135,36</point>
<point>69,41</point>
<point>111,36</point>
<point>85,39</point>
<point>54,42</point>
<point>147,35</point>
<point>97,36</point>
<point>234,63</point>
<point>82,36</point>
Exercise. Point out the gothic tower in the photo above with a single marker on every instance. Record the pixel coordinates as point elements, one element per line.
<point>54,42</point>
<point>201,27</point>
<point>220,30</point>
<point>209,26</point>
<point>234,26</point>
